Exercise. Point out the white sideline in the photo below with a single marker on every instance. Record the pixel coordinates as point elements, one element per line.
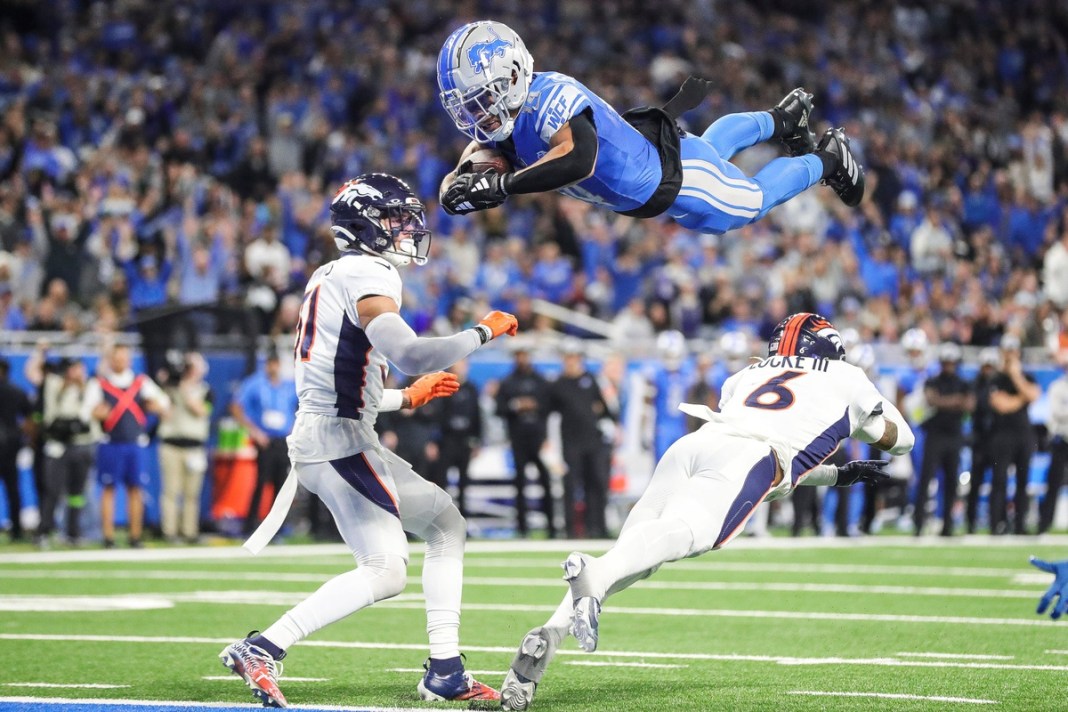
<point>895,696</point>
<point>962,656</point>
<point>717,657</point>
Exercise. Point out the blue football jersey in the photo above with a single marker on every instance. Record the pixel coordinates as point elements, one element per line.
<point>628,166</point>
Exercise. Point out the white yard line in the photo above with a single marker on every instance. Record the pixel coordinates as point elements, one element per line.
<point>895,696</point>
<point>726,657</point>
<point>79,686</point>
<point>961,656</point>
<point>93,703</point>
<point>565,546</point>
<point>593,663</point>
<point>489,581</point>
<point>287,678</point>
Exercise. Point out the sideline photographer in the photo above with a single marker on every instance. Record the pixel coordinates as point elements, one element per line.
<point>69,447</point>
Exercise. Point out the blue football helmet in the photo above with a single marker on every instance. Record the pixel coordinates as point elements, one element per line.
<point>378,213</point>
<point>484,73</point>
<point>806,334</point>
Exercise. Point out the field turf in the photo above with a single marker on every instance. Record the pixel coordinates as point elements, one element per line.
<point>884,623</point>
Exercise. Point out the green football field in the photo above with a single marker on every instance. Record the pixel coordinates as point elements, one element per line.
<point>884,623</point>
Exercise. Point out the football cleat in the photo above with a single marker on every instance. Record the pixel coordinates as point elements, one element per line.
<point>797,138</point>
<point>847,179</point>
<point>453,688</point>
<point>257,668</point>
<point>587,606</point>
<point>528,666</point>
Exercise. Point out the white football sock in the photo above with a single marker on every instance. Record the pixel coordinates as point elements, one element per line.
<point>443,589</point>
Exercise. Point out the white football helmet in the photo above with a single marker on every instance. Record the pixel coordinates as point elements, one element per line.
<point>484,73</point>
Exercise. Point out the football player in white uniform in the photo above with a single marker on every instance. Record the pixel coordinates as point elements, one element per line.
<point>779,419</point>
<point>349,327</point>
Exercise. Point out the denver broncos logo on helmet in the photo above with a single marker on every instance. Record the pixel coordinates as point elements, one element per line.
<point>481,53</point>
<point>349,192</point>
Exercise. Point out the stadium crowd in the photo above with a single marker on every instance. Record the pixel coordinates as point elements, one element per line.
<point>167,167</point>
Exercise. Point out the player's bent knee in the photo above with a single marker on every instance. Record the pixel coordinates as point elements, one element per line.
<point>449,533</point>
<point>387,574</point>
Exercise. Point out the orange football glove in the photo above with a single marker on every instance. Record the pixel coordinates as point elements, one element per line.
<point>431,386</point>
<point>499,323</point>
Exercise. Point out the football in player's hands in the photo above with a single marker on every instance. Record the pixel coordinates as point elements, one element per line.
<point>486,159</point>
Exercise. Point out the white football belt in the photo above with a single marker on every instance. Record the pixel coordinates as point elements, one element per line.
<point>283,500</point>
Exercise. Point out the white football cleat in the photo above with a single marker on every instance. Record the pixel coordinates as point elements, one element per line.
<point>587,606</point>
<point>528,666</point>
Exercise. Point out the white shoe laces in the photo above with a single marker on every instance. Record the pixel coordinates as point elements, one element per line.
<point>253,653</point>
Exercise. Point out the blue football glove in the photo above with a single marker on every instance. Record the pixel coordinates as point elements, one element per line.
<point>474,191</point>
<point>862,471</point>
<point>1059,587</point>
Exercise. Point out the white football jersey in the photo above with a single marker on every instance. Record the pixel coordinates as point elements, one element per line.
<point>801,406</point>
<point>339,375</point>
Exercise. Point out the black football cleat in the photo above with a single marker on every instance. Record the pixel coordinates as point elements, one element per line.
<point>797,138</point>
<point>847,179</point>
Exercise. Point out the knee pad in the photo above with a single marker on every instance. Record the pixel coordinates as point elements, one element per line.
<point>387,574</point>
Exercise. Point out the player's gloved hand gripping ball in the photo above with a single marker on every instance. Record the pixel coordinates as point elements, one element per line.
<point>1059,587</point>
<point>431,386</point>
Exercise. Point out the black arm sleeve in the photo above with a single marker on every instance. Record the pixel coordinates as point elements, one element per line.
<point>564,170</point>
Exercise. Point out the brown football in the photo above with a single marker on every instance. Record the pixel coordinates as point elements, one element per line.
<point>487,159</point>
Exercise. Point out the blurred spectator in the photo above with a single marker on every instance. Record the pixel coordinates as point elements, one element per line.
<point>265,404</point>
<point>15,408</point>
<point>183,454</point>
<point>1058,434</point>
<point>1055,271</point>
<point>951,401</point>
<point>983,453</point>
<point>70,437</point>
<point>120,400</point>
<point>523,402</point>
<point>460,435</point>
<point>576,396</point>
<point>1013,440</point>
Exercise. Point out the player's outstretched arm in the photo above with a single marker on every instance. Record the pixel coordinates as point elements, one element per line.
<point>572,157</point>
<point>414,354</point>
<point>1058,589</point>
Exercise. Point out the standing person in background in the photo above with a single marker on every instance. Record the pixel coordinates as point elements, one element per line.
<point>119,399</point>
<point>183,453</point>
<point>1058,433</point>
<point>69,447</point>
<point>982,431</point>
<point>1014,441</point>
<point>576,396</point>
<point>951,400</point>
<point>460,419</point>
<point>523,402</point>
<point>266,406</point>
<point>15,408</point>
